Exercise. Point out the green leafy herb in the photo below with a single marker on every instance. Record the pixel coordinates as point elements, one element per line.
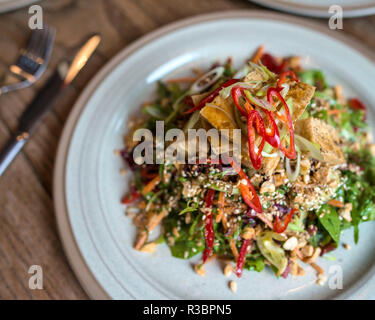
<point>189,208</point>
<point>329,219</point>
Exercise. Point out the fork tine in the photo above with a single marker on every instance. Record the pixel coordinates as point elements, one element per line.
<point>38,44</point>
<point>48,45</point>
<point>37,53</point>
<point>44,49</point>
<point>34,42</point>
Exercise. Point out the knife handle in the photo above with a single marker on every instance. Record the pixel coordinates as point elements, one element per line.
<point>11,149</point>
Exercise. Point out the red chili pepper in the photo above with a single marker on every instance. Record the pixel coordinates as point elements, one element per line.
<point>238,92</point>
<point>270,62</point>
<point>291,151</point>
<point>247,190</point>
<point>357,104</point>
<point>145,173</point>
<point>283,76</point>
<point>280,226</point>
<point>256,158</point>
<point>211,96</point>
<point>130,198</point>
<point>328,248</point>
<point>242,257</point>
<point>209,233</point>
<point>272,136</point>
<point>189,101</point>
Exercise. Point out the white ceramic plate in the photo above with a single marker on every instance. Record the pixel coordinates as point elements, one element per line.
<point>95,232</point>
<point>319,8</point>
<point>8,5</point>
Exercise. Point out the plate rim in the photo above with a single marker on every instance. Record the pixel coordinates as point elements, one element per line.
<point>15,4</point>
<point>352,11</point>
<point>71,249</point>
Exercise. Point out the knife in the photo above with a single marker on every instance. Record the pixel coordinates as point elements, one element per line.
<point>45,100</point>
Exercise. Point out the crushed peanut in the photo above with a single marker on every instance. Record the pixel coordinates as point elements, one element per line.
<point>290,244</point>
<point>248,233</point>
<point>149,247</point>
<point>345,212</point>
<point>321,279</point>
<point>300,272</point>
<point>267,186</point>
<point>314,256</point>
<point>233,286</point>
<point>228,269</point>
<point>307,251</point>
<point>199,269</point>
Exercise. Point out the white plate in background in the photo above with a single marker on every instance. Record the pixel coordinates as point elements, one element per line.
<point>319,8</point>
<point>8,5</point>
<point>97,236</point>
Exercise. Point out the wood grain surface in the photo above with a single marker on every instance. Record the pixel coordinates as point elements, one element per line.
<point>28,234</point>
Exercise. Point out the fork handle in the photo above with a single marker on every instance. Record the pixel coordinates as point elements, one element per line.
<point>12,83</point>
<point>11,149</point>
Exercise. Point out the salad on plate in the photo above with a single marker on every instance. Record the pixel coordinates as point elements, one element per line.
<point>305,171</point>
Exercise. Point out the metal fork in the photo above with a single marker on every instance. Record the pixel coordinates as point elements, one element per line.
<point>33,61</point>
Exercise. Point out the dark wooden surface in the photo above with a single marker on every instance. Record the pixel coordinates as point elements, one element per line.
<point>28,234</point>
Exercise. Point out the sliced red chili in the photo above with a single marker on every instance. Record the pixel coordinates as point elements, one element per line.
<point>357,104</point>
<point>328,248</point>
<point>212,96</point>
<point>283,77</point>
<point>148,173</point>
<point>270,62</point>
<point>291,151</point>
<point>209,233</point>
<point>280,226</point>
<point>255,120</point>
<point>237,93</point>
<point>247,190</point>
<point>272,135</point>
<point>130,198</point>
<point>189,101</point>
<point>242,257</point>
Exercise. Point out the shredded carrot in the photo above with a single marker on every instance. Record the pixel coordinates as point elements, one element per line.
<point>183,79</point>
<point>248,106</point>
<point>336,203</point>
<point>210,258</point>
<point>151,185</point>
<point>220,207</point>
<point>233,247</point>
<point>317,268</point>
<point>198,72</point>
<point>141,241</point>
<point>335,111</point>
<point>146,103</point>
<point>224,221</point>
<point>142,205</point>
<point>153,220</point>
<point>267,221</point>
<point>299,254</point>
<point>258,54</point>
<point>338,92</point>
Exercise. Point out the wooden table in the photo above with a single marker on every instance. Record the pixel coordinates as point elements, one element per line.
<point>28,234</point>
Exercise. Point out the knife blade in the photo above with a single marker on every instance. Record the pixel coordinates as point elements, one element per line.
<point>45,100</point>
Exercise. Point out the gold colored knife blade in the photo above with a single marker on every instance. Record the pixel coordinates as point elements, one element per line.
<point>81,58</point>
